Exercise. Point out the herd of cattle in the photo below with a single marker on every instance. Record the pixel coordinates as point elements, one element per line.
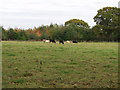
<point>60,41</point>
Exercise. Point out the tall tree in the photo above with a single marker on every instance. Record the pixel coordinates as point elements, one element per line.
<point>107,19</point>
<point>3,33</point>
<point>12,35</point>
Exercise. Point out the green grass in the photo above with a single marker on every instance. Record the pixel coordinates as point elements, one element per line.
<point>49,65</point>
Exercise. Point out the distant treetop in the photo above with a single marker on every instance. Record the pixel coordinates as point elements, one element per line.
<point>77,22</point>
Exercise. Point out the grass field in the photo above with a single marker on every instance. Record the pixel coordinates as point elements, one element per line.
<point>49,65</point>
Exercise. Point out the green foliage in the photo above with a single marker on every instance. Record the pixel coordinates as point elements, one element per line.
<point>33,37</point>
<point>107,22</point>
<point>12,35</point>
<point>44,36</point>
<point>1,28</point>
<point>22,36</point>
<point>108,16</point>
<point>77,22</point>
<point>72,32</point>
<point>3,33</point>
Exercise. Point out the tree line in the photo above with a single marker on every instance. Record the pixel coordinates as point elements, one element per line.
<point>107,28</point>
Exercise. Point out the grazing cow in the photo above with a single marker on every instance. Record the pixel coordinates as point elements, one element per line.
<point>61,41</point>
<point>46,40</point>
<point>68,42</point>
<point>74,41</point>
<point>53,41</point>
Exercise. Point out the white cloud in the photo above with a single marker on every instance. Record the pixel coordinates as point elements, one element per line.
<point>30,13</point>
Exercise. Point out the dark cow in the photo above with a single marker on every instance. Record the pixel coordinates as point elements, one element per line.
<point>75,41</point>
<point>53,41</point>
<point>61,41</point>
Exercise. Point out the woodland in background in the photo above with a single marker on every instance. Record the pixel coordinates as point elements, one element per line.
<point>107,28</point>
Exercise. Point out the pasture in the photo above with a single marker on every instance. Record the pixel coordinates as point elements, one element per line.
<point>28,64</point>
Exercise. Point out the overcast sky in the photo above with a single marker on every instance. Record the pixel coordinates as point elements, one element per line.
<point>30,13</point>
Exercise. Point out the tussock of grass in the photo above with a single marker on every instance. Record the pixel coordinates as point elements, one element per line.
<point>11,54</point>
<point>18,81</point>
